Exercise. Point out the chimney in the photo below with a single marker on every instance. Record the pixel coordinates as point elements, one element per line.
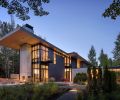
<point>28,27</point>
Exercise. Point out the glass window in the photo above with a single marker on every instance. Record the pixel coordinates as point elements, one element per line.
<point>67,61</point>
<point>54,58</point>
<point>78,63</point>
<point>40,72</point>
<point>44,53</point>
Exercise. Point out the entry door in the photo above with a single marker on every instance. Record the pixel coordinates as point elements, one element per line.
<point>68,74</point>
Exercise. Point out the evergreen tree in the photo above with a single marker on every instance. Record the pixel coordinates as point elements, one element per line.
<point>92,56</point>
<point>110,62</point>
<point>106,79</point>
<point>109,80</point>
<point>103,59</point>
<point>116,51</point>
<point>5,28</point>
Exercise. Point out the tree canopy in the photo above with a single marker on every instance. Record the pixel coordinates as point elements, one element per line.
<point>116,51</point>
<point>21,8</point>
<point>113,11</point>
<point>9,58</point>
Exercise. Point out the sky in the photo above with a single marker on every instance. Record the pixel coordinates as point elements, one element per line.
<point>74,25</point>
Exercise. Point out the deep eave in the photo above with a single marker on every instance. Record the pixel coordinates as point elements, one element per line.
<point>22,35</point>
<point>17,38</point>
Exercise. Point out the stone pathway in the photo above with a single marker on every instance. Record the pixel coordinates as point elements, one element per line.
<point>71,95</point>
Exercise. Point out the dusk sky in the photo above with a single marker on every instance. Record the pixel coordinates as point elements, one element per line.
<point>75,25</point>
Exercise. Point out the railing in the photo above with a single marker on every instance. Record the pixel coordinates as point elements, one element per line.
<point>46,61</point>
<point>68,65</point>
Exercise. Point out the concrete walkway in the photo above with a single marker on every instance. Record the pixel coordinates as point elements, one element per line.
<point>71,95</point>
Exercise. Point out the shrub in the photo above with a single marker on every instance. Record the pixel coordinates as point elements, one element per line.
<point>43,92</point>
<point>28,91</point>
<point>109,81</point>
<point>80,78</point>
<point>79,95</point>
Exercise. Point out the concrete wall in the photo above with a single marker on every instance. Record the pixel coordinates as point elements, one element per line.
<point>25,62</point>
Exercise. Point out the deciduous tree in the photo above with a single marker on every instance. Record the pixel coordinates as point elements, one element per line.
<point>113,11</point>
<point>21,8</point>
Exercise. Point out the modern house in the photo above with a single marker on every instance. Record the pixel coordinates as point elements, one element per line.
<point>41,60</point>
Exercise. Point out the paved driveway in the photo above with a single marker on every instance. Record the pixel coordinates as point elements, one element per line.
<point>71,95</point>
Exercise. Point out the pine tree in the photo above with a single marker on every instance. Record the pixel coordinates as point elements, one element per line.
<point>106,80</point>
<point>92,56</point>
<point>103,59</point>
<point>116,51</point>
<point>110,62</point>
<point>109,80</point>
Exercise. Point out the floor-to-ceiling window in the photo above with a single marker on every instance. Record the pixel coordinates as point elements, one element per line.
<point>44,73</point>
<point>39,69</point>
<point>68,69</point>
<point>44,53</point>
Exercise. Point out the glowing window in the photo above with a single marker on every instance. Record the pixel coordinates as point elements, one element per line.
<point>54,58</point>
<point>78,63</point>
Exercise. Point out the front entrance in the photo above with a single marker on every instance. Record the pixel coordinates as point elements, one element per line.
<point>68,74</point>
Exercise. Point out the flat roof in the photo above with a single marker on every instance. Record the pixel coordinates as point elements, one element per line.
<point>23,35</point>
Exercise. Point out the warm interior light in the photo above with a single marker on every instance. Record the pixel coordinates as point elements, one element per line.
<point>78,63</point>
<point>36,71</point>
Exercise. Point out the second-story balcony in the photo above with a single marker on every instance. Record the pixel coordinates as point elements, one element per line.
<point>46,61</point>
